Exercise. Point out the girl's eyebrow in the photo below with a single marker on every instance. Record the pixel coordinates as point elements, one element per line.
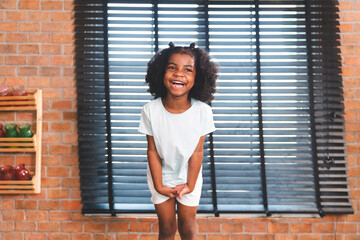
<point>185,65</point>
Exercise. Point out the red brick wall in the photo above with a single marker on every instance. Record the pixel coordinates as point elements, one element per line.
<point>37,51</point>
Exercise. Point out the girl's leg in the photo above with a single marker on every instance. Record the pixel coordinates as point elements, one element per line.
<point>186,221</point>
<point>167,220</point>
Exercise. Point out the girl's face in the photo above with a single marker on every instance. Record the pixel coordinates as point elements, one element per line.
<point>179,75</point>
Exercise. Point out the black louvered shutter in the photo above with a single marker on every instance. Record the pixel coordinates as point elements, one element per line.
<point>278,109</point>
<point>91,78</point>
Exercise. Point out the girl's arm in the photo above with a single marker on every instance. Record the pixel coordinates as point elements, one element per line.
<point>195,163</point>
<point>156,169</point>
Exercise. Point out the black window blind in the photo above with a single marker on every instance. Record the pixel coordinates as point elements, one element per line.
<point>278,110</point>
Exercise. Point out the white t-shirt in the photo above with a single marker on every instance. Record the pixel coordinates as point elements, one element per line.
<point>176,136</point>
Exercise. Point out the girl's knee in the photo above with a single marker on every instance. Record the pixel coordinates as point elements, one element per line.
<point>167,230</point>
<point>187,229</point>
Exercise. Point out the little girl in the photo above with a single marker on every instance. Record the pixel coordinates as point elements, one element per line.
<point>181,79</point>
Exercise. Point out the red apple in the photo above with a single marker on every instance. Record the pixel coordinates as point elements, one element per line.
<point>19,167</point>
<point>6,168</point>
<point>23,174</point>
<point>9,175</point>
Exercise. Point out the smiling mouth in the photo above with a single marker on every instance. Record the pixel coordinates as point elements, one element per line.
<point>177,84</point>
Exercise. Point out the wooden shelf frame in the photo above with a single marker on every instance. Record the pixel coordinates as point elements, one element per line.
<point>31,102</point>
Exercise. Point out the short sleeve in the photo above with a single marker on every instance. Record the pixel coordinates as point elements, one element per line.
<point>208,125</point>
<point>145,122</point>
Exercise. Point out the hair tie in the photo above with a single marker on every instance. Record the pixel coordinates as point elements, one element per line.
<point>192,45</point>
<point>171,45</point>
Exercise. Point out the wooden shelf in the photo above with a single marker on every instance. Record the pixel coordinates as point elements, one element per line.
<point>31,102</point>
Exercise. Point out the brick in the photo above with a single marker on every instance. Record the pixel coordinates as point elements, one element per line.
<point>6,203</point>
<point>346,227</point>
<point>70,138</point>
<point>7,4</point>
<point>36,215</point>
<point>69,71</point>
<point>140,227</point>
<point>58,236</point>
<point>16,215</point>
<point>50,49</point>
<point>73,161</point>
<point>278,227</point>
<point>16,37</point>
<point>235,236</point>
<point>301,228</point>
<point>51,5</point>
<point>7,71</point>
<point>63,82</point>
<point>6,226</point>
<point>49,204</point>
<point>39,16</point>
<point>51,138</point>
<point>29,27</point>
<point>104,236</point>
<point>209,227</point>
<point>286,237</point>
<point>118,227</point>
<point>12,236</point>
<point>48,226</point>
<point>50,182</point>
<point>29,49</point>
<point>61,126</point>
<point>8,48</point>
<point>40,82</point>
<point>58,193</point>
<point>51,115</point>
<point>310,237</point>
<point>25,226</point>
<point>71,182</point>
<point>14,81</point>
<point>71,226</point>
<point>35,236</point>
<point>39,38</point>
<point>61,60</point>
<point>62,104</point>
<point>149,237</point>
<point>25,204</point>
<point>70,93</point>
<point>16,16</point>
<point>27,71</point>
<point>255,227</point>
<point>60,216</point>
<point>52,93</point>
<point>94,227</point>
<point>52,27</point>
<point>264,237</point>
<point>232,227</point>
<point>50,71</point>
<point>81,236</point>
<point>61,16</point>
<point>15,60</point>
<point>218,237</point>
<point>29,4</point>
<point>127,236</point>
<point>8,26</point>
<point>62,38</point>
<point>353,149</point>
<point>58,171</point>
<point>69,27</point>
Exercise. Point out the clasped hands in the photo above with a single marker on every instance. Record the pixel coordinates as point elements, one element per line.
<point>177,191</point>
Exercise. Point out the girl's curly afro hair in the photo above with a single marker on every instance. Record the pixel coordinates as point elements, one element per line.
<point>206,72</point>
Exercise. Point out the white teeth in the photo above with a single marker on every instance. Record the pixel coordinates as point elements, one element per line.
<point>176,82</point>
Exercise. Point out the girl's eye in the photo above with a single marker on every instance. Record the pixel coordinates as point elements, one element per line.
<point>171,67</point>
<point>188,70</point>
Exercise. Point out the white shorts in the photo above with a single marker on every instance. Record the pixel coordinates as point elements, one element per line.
<point>190,199</point>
